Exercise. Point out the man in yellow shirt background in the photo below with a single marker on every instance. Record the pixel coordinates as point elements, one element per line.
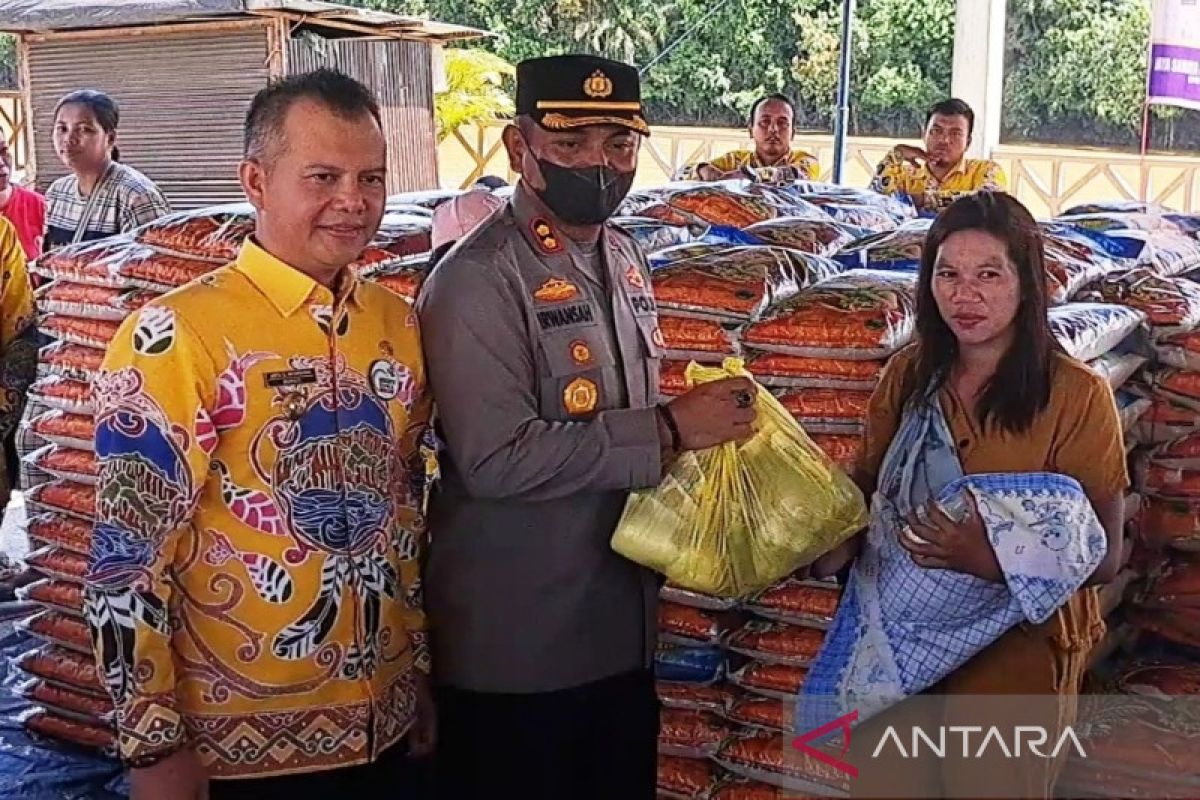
<point>772,126</point>
<point>935,176</point>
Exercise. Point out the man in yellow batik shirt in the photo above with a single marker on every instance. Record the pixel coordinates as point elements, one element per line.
<point>253,587</point>
<point>18,351</point>
<point>772,126</point>
<point>939,174</point>
<point>18,368</point>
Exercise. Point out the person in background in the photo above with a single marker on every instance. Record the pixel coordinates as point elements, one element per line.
<point>935,176</point>
<point>772,126</point>
<point>987,364</point>
<point>262,435</point>
<point>491,183</point>
<point>18,351</point>
<point>457,217</point>
<point>18,368</point>
<point>24,208</point>
<point>101,197</point>
<point>542,342</point>
<point>21,234</point>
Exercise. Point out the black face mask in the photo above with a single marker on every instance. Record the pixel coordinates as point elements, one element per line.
<point>583,195</point>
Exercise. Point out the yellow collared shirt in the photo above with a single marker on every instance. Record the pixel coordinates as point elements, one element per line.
<point>18,349</point>
<point>805,163</point>
<point>253,588</point>
<point>894,175</point>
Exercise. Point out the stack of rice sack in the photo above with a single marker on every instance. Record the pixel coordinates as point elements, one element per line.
<point>1162,283</point>
<point>729,675</point>
<point>707,294</point>
<point>736,204</point>
<point>89,290</point>
<point>1170,605</point>
<point>770,655</point>
<point>691,670</point>
<point>762,244</point>
<point>1140,736</point>
<point>823,350</point>
<point>747,663</point>
<point>729,204</point>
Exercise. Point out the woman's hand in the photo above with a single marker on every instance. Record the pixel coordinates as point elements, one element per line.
<point>961,547</point>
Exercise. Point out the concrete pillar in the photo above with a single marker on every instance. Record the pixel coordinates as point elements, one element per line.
<point>979,68</point>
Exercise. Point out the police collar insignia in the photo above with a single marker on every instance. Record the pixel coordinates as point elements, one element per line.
<point>543,233</point>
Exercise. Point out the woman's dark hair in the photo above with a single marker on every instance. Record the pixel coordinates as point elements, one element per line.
<point>103,108</point>
<point>1020,388</point>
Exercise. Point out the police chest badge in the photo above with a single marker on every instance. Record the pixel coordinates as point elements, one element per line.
<point>556,290</point>
<point>580,396</point>
<point>580,352</point>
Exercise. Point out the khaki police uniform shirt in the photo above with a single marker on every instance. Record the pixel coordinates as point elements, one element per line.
<point>545,376</point>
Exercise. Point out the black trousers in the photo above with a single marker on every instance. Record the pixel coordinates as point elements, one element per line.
<point>592,742</point>
<point>393,776</point>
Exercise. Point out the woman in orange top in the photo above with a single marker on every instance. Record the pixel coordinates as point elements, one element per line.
<point>1013,402</point>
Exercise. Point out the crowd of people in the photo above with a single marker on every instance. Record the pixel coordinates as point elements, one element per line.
<point>475,635</point>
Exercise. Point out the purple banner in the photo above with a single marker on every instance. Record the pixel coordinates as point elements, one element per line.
<point>1175,75</point>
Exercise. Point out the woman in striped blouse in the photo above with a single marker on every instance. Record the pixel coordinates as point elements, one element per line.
<point>101,196</point>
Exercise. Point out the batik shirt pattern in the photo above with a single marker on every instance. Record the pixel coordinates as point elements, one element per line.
<point>253,590</point>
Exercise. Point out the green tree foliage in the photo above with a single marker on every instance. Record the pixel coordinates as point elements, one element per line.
<point>1076,68</point>
<point>478,89</point>
<point>8,62</point>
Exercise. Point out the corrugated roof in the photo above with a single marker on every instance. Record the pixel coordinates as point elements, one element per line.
<point>45,16</point>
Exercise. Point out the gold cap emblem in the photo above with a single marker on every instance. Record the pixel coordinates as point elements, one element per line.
<point>598,85</point>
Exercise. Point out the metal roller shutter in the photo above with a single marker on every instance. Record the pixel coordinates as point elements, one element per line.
<point>401,75</point>
<point>183,97</point>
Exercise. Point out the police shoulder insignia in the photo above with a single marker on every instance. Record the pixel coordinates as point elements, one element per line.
<point>634,276</point>
<point>580,396</point>
<point>556,290</point>
<point>547,240</point>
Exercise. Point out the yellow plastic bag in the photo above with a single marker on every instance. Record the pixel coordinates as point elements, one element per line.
<point>732,520</point>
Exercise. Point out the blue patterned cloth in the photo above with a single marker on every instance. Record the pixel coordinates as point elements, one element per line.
<point>900,627</point>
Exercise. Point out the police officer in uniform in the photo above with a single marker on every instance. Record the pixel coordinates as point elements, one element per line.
<point>542,346</point>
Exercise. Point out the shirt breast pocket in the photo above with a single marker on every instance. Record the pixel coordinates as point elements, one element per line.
<point>577,365</point>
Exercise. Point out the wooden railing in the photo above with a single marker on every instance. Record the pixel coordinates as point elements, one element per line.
<point>14,129</point>
<point>1047,179</point>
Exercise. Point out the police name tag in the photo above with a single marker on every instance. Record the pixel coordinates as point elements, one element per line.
<point>292,377</point>
<point>567,316</point>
